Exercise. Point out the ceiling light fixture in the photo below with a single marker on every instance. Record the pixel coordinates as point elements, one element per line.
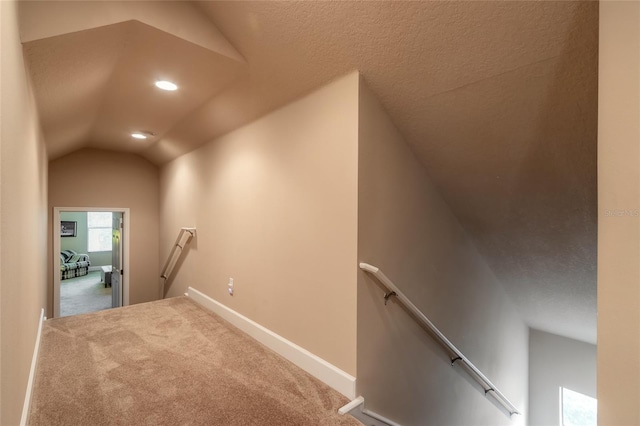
<point>166,85</point>
<point>141,135</point>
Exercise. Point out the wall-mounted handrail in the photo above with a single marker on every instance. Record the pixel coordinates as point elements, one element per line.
<point>487,385</point>
<point>172,259</point>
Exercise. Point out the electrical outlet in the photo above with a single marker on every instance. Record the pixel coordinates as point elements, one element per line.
<point>230,287</point>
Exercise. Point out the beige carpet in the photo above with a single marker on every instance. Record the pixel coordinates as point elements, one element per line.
<point>85,294</point>
<point>170,362</point>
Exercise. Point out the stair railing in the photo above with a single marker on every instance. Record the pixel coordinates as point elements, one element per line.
<point>175,253</point>
<point>455,355</point>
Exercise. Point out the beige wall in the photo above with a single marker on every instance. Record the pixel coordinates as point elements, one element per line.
<point>556,361</point>
<point>96,178</point>
<point>274,204</point>
<point>23,191</point>
<point>406,229</point>
<point>618,220</point>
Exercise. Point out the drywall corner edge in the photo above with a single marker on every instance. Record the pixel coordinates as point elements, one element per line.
<point>312,364</point>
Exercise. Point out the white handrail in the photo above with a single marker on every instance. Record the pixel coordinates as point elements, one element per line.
<point>488,386</point>
<point>172,259</point>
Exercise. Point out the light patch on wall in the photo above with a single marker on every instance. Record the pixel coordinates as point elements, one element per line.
<point>244,163</point>
<point>184,181</point>
<point>242,171</point>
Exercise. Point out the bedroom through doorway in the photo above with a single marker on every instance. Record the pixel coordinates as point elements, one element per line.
<point>90,247</point>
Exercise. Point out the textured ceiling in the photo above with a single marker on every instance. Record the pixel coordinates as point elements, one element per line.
<point>498,99</point>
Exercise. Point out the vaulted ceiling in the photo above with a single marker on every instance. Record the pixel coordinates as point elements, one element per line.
<point>498,100</point>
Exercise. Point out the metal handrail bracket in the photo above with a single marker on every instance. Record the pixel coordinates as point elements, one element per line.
<point>392,290</point>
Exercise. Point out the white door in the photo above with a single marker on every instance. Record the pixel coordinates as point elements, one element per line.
<point>117,269</point>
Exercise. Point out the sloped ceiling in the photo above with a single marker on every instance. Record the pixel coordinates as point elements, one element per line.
<point>498,99</point>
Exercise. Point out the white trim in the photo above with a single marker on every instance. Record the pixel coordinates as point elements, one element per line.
<point>351,406</point>
<point>375,416</point>
<point>56,250</point>
<point>356,409</point>
<point>32,372</point>
<point>312,364</point>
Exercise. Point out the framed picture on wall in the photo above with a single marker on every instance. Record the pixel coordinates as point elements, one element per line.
<point>68,228</point>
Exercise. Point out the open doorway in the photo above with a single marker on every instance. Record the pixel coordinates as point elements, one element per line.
<point>91,247</point>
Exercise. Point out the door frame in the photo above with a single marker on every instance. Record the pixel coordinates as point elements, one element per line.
<point>56,250</point>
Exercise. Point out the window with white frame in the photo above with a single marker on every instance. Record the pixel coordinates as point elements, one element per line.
<point>577,409</point>
<point>99,226</point>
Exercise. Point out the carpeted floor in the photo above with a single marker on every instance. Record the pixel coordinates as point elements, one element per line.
<point>85,294</point>
<point>170,362</point>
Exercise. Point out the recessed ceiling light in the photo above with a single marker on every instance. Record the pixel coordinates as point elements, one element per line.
<point>166,85</point>
<point>139,135</point>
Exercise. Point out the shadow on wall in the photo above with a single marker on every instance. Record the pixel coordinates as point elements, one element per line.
<point>407,230</point>
<point>534,217</point>
<point>409,360</point>
<point>558,179</point>
<point>452,359</point>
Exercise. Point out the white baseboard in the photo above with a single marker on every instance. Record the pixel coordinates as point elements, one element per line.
<point>356,409</point>
<point>312,364</point>
<point>346,409</point>
<point>32,373</point>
